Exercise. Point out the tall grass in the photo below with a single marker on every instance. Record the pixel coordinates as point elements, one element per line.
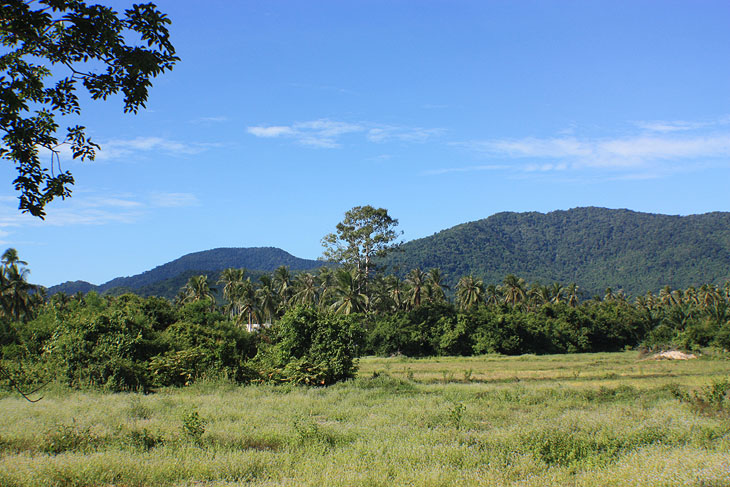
<point>594,419</point>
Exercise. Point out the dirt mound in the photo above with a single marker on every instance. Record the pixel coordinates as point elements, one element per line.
<point>673,355</point>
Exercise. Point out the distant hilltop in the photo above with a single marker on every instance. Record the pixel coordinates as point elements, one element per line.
<point>167,279</point>
<point>596,248</point>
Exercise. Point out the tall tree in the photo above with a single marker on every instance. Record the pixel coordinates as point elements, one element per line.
<point>417,282</point>
<point>435,286</point>
<point>89,44</point>
<point>348,298</point>
<point>16,293</point>
<point>513,289</point>
<point>198,289</point>
<point>469,292</point>
<point>364,234</point>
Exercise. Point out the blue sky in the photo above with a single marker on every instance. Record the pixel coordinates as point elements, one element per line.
<point>282,115</point>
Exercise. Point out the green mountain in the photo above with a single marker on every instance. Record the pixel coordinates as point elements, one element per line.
<point>167,279</point>
<point>593,247</point>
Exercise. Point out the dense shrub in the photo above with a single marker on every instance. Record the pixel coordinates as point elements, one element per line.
<point>311,347</point>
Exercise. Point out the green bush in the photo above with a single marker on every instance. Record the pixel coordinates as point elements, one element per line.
<point>311,347</point>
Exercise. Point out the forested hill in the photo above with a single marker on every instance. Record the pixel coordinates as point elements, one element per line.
<point>173,275</point>
<point>593,247</point>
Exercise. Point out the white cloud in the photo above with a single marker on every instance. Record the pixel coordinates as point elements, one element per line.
<point>618,153</point>
<point>489,167</point>
<point>210,120</point>
<point>120,148</point>
<point>274,131</point>
<point>327,133</point>
<point>173,200</point>
<point>90,208</point>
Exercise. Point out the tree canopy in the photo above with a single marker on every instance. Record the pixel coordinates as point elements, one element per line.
<point>365,233</point>
<point>49,47</point>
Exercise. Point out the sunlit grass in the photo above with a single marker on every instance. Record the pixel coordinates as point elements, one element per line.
<point>593,419</point>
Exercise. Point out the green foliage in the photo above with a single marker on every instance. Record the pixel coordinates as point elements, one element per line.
<point>312,347</point>
<point>193,426</point>
<point>594,247</point>
<point>65,437</point>
<point>711,400</point>
<point>82,38</point>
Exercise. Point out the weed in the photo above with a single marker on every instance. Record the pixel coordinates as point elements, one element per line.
<point>144,439</point>
<point>467,375</point>
<point>137,410</point>
<point>712,400</point>
<point>68,438</point>
<point>456,415</point>
<point>193,426</point>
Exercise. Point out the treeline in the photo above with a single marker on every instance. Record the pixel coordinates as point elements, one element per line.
<point>310,327</point>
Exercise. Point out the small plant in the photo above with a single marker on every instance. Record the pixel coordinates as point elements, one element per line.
<point>68,438</point>
<point>710,400</point>
<point>137,410</point>
<point>467,375</point>
<point>193,426</point>
<point>456,415</point>
<point>144,439</point>
<point>306,430</point>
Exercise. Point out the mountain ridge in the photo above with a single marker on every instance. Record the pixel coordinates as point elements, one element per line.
<point>594,247</point>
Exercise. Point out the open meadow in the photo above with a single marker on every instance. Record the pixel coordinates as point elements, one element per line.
<point>581,419</point>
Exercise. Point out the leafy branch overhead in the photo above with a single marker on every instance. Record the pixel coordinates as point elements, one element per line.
<point>52,46</point>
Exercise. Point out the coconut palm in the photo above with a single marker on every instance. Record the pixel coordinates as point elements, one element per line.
<point>282,282</point>
<point>267,297</point>
<point>469,292</point>
<point>396,292</point>
<point>306,289</point>
<point>435,286</point>
<point>572,295</point>
<point>513,290</point>
<point>231,279</point>
<point>416,280</point>
<point>491,295</point>
<point>326,278</point>
<point>198,289</point>
<point>556,293</point>
<point>348,298</point>
<point>16,293</point>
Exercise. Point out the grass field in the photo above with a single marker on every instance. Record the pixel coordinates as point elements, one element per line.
<point>585,419</point>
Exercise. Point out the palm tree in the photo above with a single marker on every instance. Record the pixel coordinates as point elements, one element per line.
<point>10,258</point>
<point>556,293</point>
<point>538,295</point>
<point>513,289</point>
<point>306,289</point>
<point>396,292</point>
<point>417,281</point>
<point>246,303</point>
<point>435,286</point>
<point>16,293</point>
<point>572,293</point>
<point>231,279</point>
<point>282,285</point>
<point>198,289</point>
<point>326,278</point>
<point>491,293</point>
<point>469,292</point>
<point>349,299</point>
<point>267,298</point>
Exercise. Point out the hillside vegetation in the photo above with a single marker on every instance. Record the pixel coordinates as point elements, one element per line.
<point>595,248</point>
<point>167,279</point>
